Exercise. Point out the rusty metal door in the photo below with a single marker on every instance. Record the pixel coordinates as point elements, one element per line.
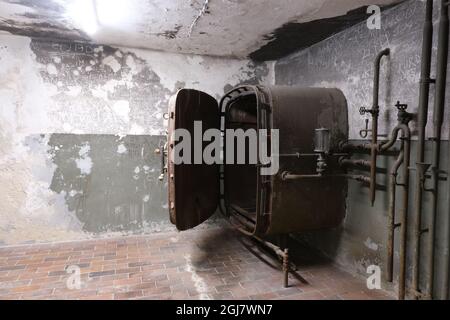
<point>194,189</point>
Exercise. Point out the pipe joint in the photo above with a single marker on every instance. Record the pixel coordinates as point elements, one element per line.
<point>427,81</point>
<point>374,111</point>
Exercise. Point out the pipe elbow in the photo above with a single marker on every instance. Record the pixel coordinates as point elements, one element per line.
<point>384,52</point>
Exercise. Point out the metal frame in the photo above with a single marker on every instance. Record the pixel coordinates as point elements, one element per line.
<point>262,182</point>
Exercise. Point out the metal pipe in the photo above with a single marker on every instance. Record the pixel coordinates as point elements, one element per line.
<point>390,143</point>
<point>404,158</point>
<point>289,176</point>
<point>286,268</point>
<point>438,116</point>
<point>446,265</point>
<point>422,123</point>
<point>355,163</point>
<point>404,213</point>
<point>242,224</point>
<point>375,113</point>
<point>243,213</point>
<point>360,178</point>
<point>365,148</point>
<point>282,254</point>
<point>391,217</point>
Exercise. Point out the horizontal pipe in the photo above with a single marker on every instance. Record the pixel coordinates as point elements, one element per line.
<point>347,146</point>
<point>365,148</point>
<point>242,223</point>
<point>242,212</point>
<point>360,178</point>
<point>286,176</point>
<point>356,163</point>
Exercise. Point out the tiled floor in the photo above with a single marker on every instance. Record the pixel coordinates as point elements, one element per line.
<point>203,264</point>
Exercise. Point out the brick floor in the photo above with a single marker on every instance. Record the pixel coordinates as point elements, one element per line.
<point>202,264</point>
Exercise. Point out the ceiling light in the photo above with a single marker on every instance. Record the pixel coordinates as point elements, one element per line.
<point>84,15</point>
<point>113,13</point>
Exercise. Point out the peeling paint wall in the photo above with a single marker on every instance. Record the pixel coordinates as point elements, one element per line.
<point>346,61</point>
<point>78,126</point>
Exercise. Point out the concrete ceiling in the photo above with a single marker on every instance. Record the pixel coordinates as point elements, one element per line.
<point>234,28</point>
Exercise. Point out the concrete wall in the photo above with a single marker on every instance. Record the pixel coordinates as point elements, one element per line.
<point>226,28</point>
<point>346,61</point>
<point>79,123</point>
<point>78,127</point>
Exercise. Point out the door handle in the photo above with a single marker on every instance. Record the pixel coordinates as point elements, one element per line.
<point>162,151</point>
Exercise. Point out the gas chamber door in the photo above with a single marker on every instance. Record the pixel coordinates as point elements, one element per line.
<point>193,186</point>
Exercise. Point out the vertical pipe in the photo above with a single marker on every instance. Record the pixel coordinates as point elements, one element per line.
<point>422,123</point>
<point>375,113</point>
<point>404,158</point>
<point>286,268</point>
<point>391,217</point>
<point>406,140</point>
<point>438,116</point>
<point>446,264</point>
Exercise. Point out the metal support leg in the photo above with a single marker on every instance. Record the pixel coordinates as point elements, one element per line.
<point>286,268</point>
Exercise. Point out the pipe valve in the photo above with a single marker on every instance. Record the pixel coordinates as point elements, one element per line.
<point>403,116</point>
<point>401,107</point>
<point>373,111</point>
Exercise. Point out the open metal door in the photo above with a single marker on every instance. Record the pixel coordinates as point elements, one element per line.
<point>194,189</point>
